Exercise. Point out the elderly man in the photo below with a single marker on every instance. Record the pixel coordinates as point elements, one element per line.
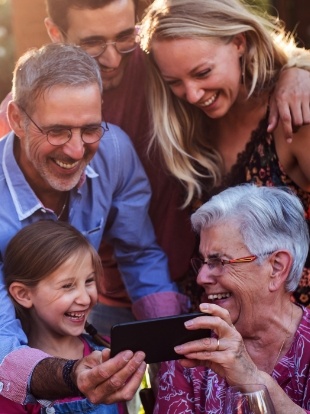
<point>55,166</point>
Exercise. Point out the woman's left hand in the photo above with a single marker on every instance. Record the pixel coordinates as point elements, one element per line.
<point>226,355</point>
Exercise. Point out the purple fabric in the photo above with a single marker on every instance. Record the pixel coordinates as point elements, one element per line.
<point>160,304</point>
<point>200,390</point>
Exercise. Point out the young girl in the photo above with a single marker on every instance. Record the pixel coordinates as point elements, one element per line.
<point>50,272</point>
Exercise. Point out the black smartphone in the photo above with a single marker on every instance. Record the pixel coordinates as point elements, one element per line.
<point>155,337</point>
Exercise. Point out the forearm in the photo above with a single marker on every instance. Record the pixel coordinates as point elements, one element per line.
<point>47,380</point>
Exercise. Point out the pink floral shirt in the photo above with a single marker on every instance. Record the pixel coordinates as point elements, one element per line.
<point>200,390</point>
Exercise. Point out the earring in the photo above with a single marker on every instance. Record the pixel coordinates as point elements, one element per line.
<point>242,66</point>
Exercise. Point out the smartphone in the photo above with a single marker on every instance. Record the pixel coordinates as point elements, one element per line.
<point>155,337</point>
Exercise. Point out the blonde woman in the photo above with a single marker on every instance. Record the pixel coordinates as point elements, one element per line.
<point>213,67</point>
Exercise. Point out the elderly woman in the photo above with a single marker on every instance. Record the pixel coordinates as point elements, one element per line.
<point>213,67</point>
<point>254,241</point>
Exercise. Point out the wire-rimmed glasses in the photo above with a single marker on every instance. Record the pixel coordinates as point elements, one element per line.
<point>216,264</point>
<point>59,136</point>
<point>123,45</point>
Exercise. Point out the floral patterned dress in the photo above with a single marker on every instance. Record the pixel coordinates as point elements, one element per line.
<point>258,164</point>
<point>200,391</point>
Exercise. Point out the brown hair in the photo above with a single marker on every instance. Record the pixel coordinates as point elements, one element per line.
<point>39,249</point>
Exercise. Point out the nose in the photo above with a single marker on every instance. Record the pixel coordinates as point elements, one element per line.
<point>206,276</point>
<point>110,57</point>
<point>75,147</point>
<point>82,297</point>
<point>193,93</point>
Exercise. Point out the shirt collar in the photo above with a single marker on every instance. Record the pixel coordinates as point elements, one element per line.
<point>25,200</point>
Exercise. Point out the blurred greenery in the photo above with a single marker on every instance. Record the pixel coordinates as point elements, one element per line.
<point>6,48</point>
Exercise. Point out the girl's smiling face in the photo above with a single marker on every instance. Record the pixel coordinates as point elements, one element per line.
<point>62,301</point>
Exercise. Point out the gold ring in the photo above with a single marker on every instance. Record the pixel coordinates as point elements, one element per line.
<point>218,344</point>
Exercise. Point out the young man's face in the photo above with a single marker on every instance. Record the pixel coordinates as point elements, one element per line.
<point>107,24</point>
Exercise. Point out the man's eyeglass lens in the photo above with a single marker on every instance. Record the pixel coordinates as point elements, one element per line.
<point>123,45</point>
<point>89,135</point>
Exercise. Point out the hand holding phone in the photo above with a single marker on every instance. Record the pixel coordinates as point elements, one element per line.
<point>155,337</point>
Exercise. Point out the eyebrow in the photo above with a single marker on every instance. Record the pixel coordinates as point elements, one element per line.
<point>192,72</point>
<point>61,126</point>
<point>123,33</point>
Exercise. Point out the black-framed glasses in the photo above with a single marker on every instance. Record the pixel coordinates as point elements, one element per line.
<point>216,264</point>
<point>59,136</point>
<point>124,44</point>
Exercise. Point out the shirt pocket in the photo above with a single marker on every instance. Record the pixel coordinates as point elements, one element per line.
<point>95,233</point>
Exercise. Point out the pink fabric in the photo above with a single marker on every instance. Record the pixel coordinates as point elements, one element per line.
<point>4,123</point>
<point>15,370</point>
<point>160,304</point>
<point>199,390</point>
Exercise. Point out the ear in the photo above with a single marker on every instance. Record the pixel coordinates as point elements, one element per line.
<point>21,294</point>
<point>239,41</point>
<point>281,263</point>
<point>53,31</point>
<point>16,119</point>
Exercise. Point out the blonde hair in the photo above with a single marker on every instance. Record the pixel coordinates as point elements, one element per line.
<point>178,126</point>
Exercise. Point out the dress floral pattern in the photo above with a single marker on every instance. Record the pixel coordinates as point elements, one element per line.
<point>258,164</point>
<point>199,390</point>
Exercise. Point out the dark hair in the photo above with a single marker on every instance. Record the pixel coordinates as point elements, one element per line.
<point>39,249</point>
<point>57,10</point>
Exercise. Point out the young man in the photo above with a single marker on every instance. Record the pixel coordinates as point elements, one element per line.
<point>55,166</point>
<point>106,30</point>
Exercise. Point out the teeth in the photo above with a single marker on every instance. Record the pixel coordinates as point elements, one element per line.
<point>66,165</point>
<point>219,296</point>
<point>76,314</point>
<point>209,101</point>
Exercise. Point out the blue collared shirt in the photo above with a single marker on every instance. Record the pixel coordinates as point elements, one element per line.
<point>112,202</point>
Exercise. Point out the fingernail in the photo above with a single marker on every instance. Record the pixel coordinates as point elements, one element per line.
<point>188,323</point>
<point>127,356</point>
<point>139,357</point>
<point>204,306</point>
<point>178,348</point>
<point>142,367</point>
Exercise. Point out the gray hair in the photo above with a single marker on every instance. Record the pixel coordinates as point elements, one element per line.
<point>269,219</point>
<point>38,70</point>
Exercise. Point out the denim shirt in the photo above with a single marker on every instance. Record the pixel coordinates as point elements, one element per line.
<point>112,202</point>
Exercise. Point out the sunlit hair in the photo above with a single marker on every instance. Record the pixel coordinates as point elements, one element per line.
<point>57,10</point>
<point>39,70</point>
<point>268,218</point>
<point>39,249</point>
<point>177,129</point>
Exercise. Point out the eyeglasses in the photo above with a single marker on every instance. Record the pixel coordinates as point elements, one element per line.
<point>125,44</point>
<point>60,136</point>
<point>216,264</point>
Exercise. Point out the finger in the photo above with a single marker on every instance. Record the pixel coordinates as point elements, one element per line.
<point>110,385</point>
<point>273,116</point>
<point>305,107</point>
<point>94,369</point>
<point>215,310</point>
<point>129,389</point>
